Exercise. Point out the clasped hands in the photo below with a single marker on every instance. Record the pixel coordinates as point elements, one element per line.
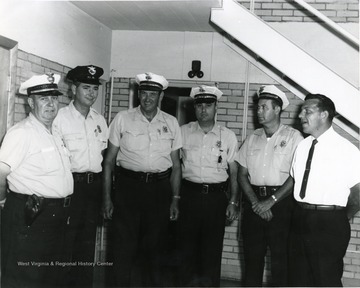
<point>262,208</point>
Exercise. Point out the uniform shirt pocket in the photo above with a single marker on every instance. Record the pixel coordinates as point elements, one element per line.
<point>191,153</point>
<point>282,158</point>
<point>252,159</point>
<point>101,143</point>
<point>51,159</point>
<point>74,142</point>
<point>164,143</point>
<point>135,140</point>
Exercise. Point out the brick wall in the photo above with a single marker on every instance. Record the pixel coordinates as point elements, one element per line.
<point>29,65</point>
<point>339,11</point>
<point>230,114</point>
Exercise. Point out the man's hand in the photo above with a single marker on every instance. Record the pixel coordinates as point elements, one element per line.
<point>231,212</point>
<point>174,210</point>
<point>267,216</point>
<point>263,206</point>
<point>107,209</point>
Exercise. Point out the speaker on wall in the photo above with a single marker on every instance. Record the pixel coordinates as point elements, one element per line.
<point>196,69</point>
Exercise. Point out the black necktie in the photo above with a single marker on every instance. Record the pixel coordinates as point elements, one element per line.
<point>307,170</point>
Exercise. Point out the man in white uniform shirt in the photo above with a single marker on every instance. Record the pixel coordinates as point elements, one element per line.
<point>144,148</point>
<point>85,133</point>
<point>208,168</point>
<point>264,166</point>
<point>36,166</point>
<point>321,230</point>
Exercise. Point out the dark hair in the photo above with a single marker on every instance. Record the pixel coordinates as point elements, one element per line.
<point>324,104</point>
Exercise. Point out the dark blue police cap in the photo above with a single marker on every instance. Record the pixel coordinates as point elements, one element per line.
<point>89,74</point>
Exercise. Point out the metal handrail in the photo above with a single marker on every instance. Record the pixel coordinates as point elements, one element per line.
<point>328,21</point>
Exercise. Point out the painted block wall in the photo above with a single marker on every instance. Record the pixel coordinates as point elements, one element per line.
<point>56,30</point>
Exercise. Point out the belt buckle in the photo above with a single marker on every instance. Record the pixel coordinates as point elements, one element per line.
<point>67,201</point>
<point>90,178</point>
<point>262,191</point>
<point>205,189</point>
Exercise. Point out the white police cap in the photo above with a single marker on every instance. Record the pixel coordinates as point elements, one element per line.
<point>151,81</point>
<point>46,84</point>
<point>272,92</point>
<point>205,93</point>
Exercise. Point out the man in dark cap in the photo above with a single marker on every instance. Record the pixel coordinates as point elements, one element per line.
<point>208,168</point>
<point>36,167</point>
<point>144,147</point>
<point>85,133</point>
<point>265,159</point>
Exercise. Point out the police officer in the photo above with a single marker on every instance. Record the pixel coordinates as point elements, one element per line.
<point>208,168</point>
<point>85,134</point>
<point>35,164</point>
<point>144,144</point>
<point>265,159</point>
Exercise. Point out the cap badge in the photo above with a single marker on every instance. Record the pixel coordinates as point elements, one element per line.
<point>92,70</point>
<point>261,89</point>
<point>50,78</point>
<point>201,89</point>
<point>148,77</point>
<point>218,144</point>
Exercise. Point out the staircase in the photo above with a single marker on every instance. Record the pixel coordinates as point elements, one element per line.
<point>295,69</point>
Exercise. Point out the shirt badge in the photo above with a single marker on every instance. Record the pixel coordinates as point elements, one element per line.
<point>97,130</point>
<point>283,144</point>
<point>165,129</point>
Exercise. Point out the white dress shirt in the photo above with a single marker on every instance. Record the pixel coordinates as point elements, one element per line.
<point>335,168</point>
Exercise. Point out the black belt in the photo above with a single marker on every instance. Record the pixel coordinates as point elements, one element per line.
<point>65,202</point>
<point>264,191</point>
<point>206,188</point>
<point>146,177</point>
<point>308,206</point>
<point>87,177</point>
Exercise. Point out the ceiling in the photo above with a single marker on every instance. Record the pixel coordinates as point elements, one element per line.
<point>150,15</point>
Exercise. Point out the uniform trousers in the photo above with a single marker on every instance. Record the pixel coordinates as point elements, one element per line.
<point>258,235</point>
<point>81,235</point>
<point>32,256</point>
<point>318,244</point>
<point>201,227</point>
<point>140,220</point>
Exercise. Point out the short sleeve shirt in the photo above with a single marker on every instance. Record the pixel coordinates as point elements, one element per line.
<point>39,161</point>
<point>145,146</point>
<point>334,169</point>
<point>85,138</point>
<point>269,160</point>
<point>205,157</point>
